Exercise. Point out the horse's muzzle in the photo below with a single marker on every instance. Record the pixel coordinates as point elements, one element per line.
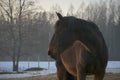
<point>51,55</point>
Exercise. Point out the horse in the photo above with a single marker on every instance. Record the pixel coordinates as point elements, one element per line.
<point>78,48</point>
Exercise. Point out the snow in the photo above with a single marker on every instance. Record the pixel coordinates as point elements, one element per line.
<point>113,66</point>
<point>27,74</point>
<point>7,65</point>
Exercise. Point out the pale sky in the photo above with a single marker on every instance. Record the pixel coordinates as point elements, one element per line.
<point>64,4</point>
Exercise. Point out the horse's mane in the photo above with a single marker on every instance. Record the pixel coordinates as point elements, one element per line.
<point>75,24</point>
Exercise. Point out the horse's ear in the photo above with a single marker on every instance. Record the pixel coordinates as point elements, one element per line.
<point>59,16</point>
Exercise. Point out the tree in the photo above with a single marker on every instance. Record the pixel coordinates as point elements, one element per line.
<point>13,11</point>
<point>80,11</point>
<point>70,11</point>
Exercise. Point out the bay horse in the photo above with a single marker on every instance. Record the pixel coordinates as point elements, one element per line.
<point>78,48</point>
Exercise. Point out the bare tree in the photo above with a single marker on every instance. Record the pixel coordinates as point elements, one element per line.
<point>56,8</point>
<point>9,13</point>
<point>70,11</point>
<point>19,42</point>
<point>80,11</point>
<point>13,11</point>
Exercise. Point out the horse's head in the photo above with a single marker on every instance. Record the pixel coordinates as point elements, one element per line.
<point>52,50</point>
<point>63,37</point>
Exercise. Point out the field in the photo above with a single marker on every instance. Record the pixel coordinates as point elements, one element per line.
<point>7,66</point>
<point>23,65</point>
<point>108,76</point>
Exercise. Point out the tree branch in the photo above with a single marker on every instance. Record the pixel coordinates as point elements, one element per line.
<point>5,10</point>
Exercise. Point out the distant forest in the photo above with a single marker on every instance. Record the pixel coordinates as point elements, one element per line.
<point>25,31</point>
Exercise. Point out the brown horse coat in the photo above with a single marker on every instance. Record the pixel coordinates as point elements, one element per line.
<point>73,56</point>
<point>78,48</point>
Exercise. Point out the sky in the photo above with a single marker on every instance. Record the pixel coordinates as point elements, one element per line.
<point>64,4</point>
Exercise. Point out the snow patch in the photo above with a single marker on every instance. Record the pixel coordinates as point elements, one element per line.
<point>27,74</point>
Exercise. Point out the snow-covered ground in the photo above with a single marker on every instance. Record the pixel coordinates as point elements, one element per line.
<point>113,64</point>
<point>7,65</point>
<point>27,74</point>
<point>113,67</point>
<point>23,65</point>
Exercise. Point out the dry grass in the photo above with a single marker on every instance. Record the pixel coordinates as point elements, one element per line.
<point>109,76</point>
